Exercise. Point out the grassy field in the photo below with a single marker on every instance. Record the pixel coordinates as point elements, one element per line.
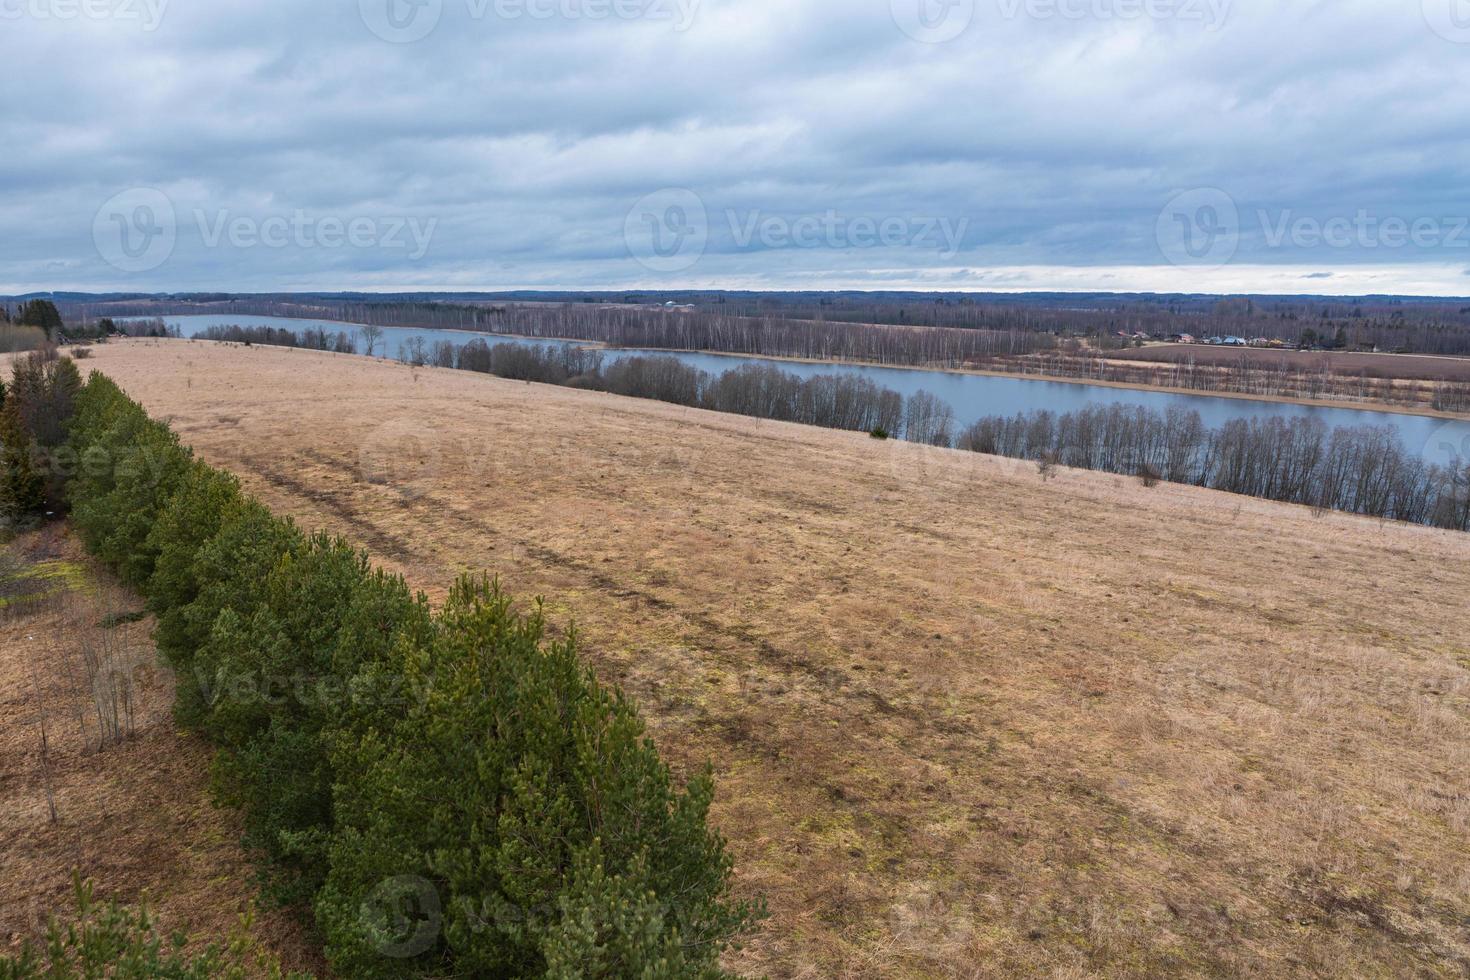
<point>964,721</point>
<point>119,796</point>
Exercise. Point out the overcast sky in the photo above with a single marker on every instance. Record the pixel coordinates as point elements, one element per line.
<point>1202,145</point>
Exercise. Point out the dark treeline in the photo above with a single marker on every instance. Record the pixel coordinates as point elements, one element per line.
<point>340,342</point>
<point>1281,379</point>
<point>833,401</point>
<point>653,326</point>
<point>1451,397</point>
<point>1025,338</point>
<point>1439,328</point>
<point>153,327</point>
<point>1430,326</point>
<point>1361,469</point>
<point>768,336</point>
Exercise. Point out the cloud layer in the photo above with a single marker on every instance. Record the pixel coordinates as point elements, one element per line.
<point>1313,145</point>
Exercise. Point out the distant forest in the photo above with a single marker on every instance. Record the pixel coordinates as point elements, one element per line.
<point>815,324</point>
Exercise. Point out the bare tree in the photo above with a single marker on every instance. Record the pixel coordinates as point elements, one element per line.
<point>1362,469</point>
<point>371,334</point>
<point>928,420</point>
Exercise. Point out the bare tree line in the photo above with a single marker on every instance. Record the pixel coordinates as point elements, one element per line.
<point>1430,327</point>
<point>1280,380</point>
<point>1450,396</point>
<point>835,401</point>
<point>765,336</point>
<point>1385,323</point>
<point>655,327</point>
<point>312,338</point>
<point>150,327</point>
<point>14,339</point>
<point>1360,469</point>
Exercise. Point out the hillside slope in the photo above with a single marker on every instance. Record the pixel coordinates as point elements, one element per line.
<point>135,816</point>
<point>963,721</point>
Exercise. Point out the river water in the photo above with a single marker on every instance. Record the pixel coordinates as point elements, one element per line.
<point>972,396</point>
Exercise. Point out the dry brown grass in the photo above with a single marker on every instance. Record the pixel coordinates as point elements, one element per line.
<point>132,813</point>
<point>1406,367</point>
<point>964,721</point>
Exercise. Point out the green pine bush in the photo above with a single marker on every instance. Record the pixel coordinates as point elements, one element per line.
<point>325,612</point>
<point>191,518</point>
<point>383,755</point>
<point>127,467</point>
<point>22,486</point>
<point>229,572</point>
<point>530,800</point>
<point>124,943</point>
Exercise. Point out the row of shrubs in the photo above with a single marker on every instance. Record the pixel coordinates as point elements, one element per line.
<point>450,792</point>
<point>106,939</point>
<point>845,400</point>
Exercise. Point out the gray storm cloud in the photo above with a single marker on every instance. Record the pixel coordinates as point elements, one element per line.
<point>987,144</point>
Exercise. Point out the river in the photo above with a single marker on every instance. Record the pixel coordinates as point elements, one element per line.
<point>972,396</point>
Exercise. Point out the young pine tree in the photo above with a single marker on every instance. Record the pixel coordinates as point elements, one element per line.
<point>324,613</point>
<point>521,804</point>
<point>41,313</point>
<point>127,469</point>
<point>22,486</point>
